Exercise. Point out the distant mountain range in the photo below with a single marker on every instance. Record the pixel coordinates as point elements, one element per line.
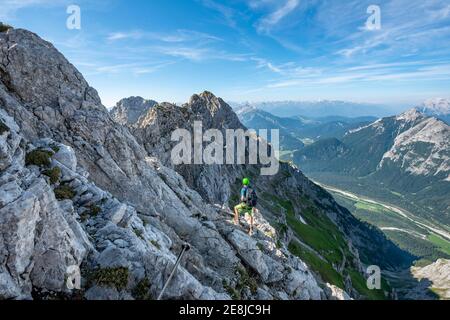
<point>321,108</point>
<point>297,131</point>
<point>407,154</point>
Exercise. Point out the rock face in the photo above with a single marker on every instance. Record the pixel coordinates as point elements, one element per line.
<point>79,191</point>
<point>127,111</point>
<point>438,273</point>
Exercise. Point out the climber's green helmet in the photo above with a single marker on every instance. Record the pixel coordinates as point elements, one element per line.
<point>245,181</point>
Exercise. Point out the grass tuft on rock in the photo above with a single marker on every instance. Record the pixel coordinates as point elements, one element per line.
<point>232,292</point>
<point>54,174</point>
<point>155,244</point>
<point>93,211</point>
<point>246,280</point>
<point>142,290</point>
<point>38,157</point>
<point>54,147</point>
<point>111,277</point>
<point>64,192</point>
<point>4,27</point>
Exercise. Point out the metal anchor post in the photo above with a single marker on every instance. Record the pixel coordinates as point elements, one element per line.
<point>184,248</point>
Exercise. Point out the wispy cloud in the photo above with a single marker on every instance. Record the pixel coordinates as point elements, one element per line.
<point>405,26</point>
<point>8,8</point>
<point>272,19</point>
<point>226,12</point>
<point>138,68</point>
<point>369,73</point>
<point>198,54</point>
<point>180,35</point>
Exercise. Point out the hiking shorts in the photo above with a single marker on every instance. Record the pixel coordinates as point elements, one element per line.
<point>243,208</point>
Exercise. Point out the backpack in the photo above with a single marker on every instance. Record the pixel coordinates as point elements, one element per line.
<point>251,198</point>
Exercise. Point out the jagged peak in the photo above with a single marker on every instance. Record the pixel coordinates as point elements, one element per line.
<point>246,109</point>
<point>129,110</point>
<point>136,99</point>
<point>410,115</point>
<point>208,102</point>
<point>206,96</point>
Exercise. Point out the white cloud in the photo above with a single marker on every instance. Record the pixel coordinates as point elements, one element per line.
<point>267,22</point>
<point>227,13</point>
<point>137,68</point>
<point>180,35</point>
<point>8,8</point>
<point>198,54</point>
<point>371,73</point>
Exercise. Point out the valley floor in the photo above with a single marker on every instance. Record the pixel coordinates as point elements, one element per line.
<point>390,208</point>
<point>423,239</point>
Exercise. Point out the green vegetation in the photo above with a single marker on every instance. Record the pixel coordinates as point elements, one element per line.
<point>321,245</point>
<point>322,267</point>
<point>427,204</point>
<point>371,207</point>
<point>233,293</point>
<point>64,192</point>
<point>54,147</point>
<point>142,290</point>
<point>3,128</point>
<point>38,157</point>
<point>260,246</point>
<point>440,242</point>
<point>278,244</point>
<point>138,232</point>
<point>281,229</point>
<point>419,242</point>
<point>320,233</point>
<point>245,280</point>
<point>360,284</point>
<point>4,27</point>
<point>111,277</point>
<point>93,211</point>
<point>155,244</point>
<point>54,174</point>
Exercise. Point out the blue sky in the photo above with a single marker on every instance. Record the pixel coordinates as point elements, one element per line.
<point>249,50</point>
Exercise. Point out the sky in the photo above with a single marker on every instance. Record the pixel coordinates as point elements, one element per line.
<point>250,50</point>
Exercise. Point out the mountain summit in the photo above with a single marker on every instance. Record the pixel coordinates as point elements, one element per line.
<point>128,110</point>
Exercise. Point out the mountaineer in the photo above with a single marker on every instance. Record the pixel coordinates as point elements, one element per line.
<point>248,203</point>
